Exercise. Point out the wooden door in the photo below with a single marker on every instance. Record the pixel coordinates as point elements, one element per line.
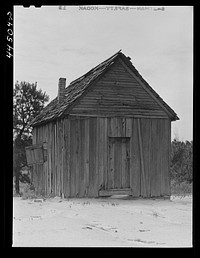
<point>119,163</point>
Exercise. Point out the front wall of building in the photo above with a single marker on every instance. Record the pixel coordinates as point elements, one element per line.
<point>85,155</point>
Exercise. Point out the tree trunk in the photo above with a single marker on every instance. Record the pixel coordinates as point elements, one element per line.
<point>16,167</point>
<point>17,172</point>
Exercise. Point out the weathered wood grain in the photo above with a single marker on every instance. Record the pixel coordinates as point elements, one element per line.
<point>115,192</point>
<point>135,167</point>
<point>117,163</point>
<point>143,177</point>
<point>119,92</point>
<point>77,178</point>
<point>128,124</point>
<point>146,138</point>
<point>155,177</point>
<point>90,154</point>
<point>168,190</point>
<point>72,160</point>
<point>87,157</point>
<point>101,128</point>
<point>124,165</point>
<point>127,165</point>
<point>106,153</point>
<point>49,157</point>
<point>67,157</point>
<point>81,159</point>
<point>165,142</point>
<point>110,172</point>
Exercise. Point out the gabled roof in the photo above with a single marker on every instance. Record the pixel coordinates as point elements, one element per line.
<point>77,87</point>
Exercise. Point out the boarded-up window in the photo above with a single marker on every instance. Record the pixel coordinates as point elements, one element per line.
<point>34,154</point>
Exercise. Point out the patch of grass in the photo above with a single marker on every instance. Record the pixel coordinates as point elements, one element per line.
<point>28,192</point>
<point>86,203</point>
<point>183,188</point>
<point>22,186</point>
<point>114,204</point>
<point>155,214</point>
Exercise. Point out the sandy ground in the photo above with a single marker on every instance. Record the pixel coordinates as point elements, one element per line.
<point>104,222</point>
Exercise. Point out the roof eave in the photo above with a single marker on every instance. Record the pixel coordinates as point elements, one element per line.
<point>175,118</point>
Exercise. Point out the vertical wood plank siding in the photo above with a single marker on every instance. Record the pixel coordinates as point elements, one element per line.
<point>78,154</point>
<point>67,157</point>
<point>92,156</point>
<point>135,161</point>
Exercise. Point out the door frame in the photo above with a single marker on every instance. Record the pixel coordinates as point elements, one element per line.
<point>107,191</point>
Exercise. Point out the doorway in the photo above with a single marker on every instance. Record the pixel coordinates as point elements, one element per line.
<point>119,163</point>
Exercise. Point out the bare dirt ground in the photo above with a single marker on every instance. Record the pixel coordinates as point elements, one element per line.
<point>104,222</point>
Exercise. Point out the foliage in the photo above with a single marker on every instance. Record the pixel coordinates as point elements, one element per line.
<point>181,168</point>
<point>182,189</point>
<point>28,102</point>
<point>19,159</point>
<point>28,192</point>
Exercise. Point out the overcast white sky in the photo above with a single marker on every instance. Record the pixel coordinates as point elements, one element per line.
<point>50,43</point>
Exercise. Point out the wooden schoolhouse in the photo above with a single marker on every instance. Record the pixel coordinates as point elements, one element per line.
<point>108,132</point>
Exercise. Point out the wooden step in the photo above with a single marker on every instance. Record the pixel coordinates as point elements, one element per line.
<point>123,191</point>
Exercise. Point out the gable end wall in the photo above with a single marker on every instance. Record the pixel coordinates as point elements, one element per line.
<point>117,93</point>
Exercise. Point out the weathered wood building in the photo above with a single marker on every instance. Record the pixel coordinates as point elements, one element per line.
<point>107,133</point>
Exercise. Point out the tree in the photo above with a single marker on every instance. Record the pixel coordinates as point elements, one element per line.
<point>27,104</point>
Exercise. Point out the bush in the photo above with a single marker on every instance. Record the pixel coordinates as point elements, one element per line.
<point>183,188</point>
<point>181,168</point>
<point>28,192</point>
<point>25,176</point>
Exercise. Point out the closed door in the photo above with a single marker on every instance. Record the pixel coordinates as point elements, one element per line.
<point>119,163</point>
